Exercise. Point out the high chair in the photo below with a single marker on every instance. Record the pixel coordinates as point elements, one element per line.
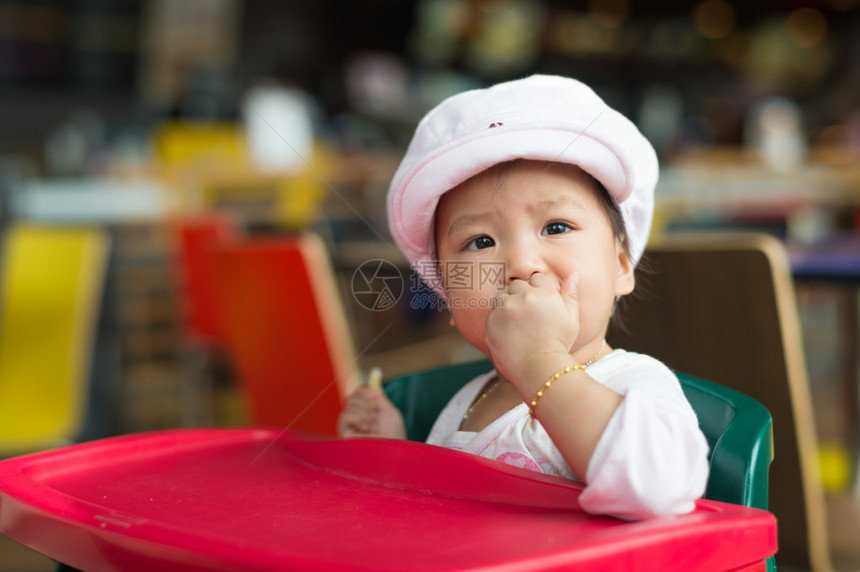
<point>273,499</point>
<point>722,307</point>
<point>52,282</point>
<point>737,427</point>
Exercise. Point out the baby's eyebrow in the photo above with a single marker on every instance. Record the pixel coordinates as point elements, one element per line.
<point>564,201</point>
<point>536,207</point>
<point>467,219</point>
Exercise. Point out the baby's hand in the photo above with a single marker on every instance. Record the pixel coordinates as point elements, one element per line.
<point>536,317</point>
<point>369,413</point>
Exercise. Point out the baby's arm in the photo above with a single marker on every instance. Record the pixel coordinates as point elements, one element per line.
<point>652,458</point>
<point>369,413</point>
<point>641,454</point>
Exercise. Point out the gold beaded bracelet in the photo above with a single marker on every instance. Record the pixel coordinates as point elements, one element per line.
<point>549,382</point>
<point>558,374</point>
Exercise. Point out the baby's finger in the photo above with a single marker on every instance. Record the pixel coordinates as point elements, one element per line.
<point>354,422</point>
<point>517,286</point>
<point>541,280</point>
<point>365,395</point>
<point>363,401</point>
<point>347,425</point>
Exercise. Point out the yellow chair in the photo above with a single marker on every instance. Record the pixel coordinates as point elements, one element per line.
<point>50,290</point>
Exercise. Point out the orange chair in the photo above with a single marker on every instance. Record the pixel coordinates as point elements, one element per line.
<point>285,331</point>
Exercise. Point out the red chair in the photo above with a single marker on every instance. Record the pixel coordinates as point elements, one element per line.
<point>285,331</point>
<point>205,374</point>
<point>196,237</point>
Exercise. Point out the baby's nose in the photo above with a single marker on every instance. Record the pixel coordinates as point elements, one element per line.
<point>522,262</point>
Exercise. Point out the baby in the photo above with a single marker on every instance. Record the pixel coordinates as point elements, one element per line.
<point>527,206</point>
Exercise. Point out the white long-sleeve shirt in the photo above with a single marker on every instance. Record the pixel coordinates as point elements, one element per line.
<point>651,460</point>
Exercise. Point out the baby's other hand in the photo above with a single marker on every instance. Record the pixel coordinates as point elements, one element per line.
<point>369,413</point>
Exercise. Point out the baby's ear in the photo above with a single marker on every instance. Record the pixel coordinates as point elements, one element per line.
<point>451,321</point>
<point>625,279</point>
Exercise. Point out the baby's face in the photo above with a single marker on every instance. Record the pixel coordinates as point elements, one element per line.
<point>538,217</point>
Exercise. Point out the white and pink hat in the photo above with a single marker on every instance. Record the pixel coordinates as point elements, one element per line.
<point>541,117</point>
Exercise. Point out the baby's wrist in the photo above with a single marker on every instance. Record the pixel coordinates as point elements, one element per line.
<point>531,374</point>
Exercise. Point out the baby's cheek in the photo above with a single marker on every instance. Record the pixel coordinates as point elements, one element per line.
<point>470,318</point>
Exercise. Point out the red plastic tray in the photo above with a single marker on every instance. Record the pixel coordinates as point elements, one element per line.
<point>251,499</point>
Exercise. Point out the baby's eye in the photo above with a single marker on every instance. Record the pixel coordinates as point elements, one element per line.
<point>479,243</point>
<point>555,228</point>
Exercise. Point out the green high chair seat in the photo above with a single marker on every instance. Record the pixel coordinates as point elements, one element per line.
<point>737,427</point>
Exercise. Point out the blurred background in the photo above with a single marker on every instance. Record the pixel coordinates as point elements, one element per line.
<point>168,125</point>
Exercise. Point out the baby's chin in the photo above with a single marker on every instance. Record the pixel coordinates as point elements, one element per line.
<point>476,336</point>
<point>481,346</point>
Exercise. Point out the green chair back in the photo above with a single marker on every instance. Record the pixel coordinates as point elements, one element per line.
<point>737,427</point>
<point>740,434</point>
